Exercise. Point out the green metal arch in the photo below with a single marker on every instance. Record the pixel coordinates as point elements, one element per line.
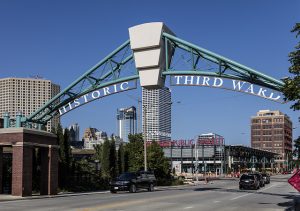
<point>55,110</point>
<point>225,67</point>
<point>106,72</point>
<point>112,70</point>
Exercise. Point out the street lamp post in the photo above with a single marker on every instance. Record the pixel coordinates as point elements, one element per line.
<point>196,156</point>
<point>145,137</point>
<point>253,160</point>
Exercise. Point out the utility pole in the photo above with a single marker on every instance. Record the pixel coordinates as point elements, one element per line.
<point>204,166</point>
<point>196,158</point>
<point>287,161</point>
<point>222,156</point>
<point>145,137</point>
<point>253,160</point>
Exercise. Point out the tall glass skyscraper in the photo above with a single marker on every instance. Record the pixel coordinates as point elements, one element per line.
<point>127,122</point>
<point>156,105</point>
<point>74,132</point>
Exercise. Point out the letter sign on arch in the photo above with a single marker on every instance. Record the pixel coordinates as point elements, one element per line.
<point>225,83</point>
<point>97,94</point>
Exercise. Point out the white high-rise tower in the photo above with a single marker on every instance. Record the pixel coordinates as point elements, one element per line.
<point>156,104</point>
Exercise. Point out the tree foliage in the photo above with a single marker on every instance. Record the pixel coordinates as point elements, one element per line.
<point>135,152</point>
<point>157,161</point>
<point>98,152</point>
<point>291,88</point>
<point>67,147</point>
<point>296,151</point>
<point>121,159</point>
<point>105,163</point>
<point>113,164</point>
<point>64,156</point>
<point>60,140</point>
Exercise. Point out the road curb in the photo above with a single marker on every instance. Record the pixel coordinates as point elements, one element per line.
<point>15,198</point>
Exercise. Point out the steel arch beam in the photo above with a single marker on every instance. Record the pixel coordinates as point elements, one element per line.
<point>106,72</point>
<point>226,68</point>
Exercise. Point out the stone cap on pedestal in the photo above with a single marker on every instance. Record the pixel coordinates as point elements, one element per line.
<point>11,136</point>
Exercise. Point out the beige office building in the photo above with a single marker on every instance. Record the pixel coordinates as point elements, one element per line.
<point>26,95</point>
<point>272,131</point>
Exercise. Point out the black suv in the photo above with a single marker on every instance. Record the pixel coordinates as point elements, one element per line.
<point>131,181</point>
<point>249,181</point>
<point>260,179</point>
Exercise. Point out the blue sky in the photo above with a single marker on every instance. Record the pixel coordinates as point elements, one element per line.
<point>60,40</point>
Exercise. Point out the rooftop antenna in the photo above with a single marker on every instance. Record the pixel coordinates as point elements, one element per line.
<point>36,76</point>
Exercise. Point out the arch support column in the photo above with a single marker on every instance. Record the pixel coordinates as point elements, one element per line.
<point>23,140</point>
<point>22,170</point>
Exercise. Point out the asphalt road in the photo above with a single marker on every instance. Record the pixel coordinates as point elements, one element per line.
<point>219,195</point>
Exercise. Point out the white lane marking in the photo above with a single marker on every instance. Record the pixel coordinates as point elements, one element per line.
<point>188,208</point>
<point>216,201</point>
<point>241,196</point>
<point>252,193</point>
<point>267,188</point>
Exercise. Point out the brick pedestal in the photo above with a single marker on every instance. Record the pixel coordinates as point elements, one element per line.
<point>22,170</point>
<point>23,140</point>
<point>1,170</point>
<point>49,170</point>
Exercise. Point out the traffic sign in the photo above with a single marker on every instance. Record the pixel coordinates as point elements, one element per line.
<point>295,180</point>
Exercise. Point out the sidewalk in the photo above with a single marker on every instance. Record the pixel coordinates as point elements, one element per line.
<point>8,197</point>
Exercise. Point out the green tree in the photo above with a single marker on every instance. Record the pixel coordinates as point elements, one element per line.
<point>67,147</point>
<point>60,140</point>
<point>134,152</point>
<point>296,151</point>
<point>105,163</point>
<point>113,158</point>
<point>291,88</point>
<point>64,156</point>
<point>157,161</point>
<point>121,159</point>
<point>98,152</point>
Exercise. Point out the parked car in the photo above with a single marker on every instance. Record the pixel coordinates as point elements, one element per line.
<point>131,181</point>
<point>260,179</point>
<point>266,178</point>
<point>248,181</point>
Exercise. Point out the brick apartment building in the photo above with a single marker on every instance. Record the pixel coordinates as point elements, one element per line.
<point>272,131</point>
